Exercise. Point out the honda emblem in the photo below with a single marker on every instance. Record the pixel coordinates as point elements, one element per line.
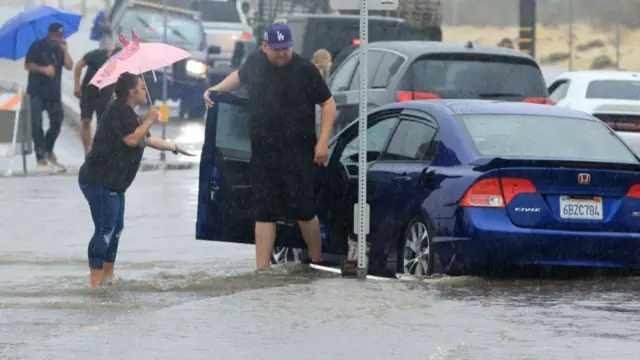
<point>584,179</point>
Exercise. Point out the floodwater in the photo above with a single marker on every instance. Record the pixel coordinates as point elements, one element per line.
<point>178,298</point>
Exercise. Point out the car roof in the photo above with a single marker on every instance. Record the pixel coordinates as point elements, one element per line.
<point>418,48</point>
<point>337,17</point>
<point>490,107</point>
<point>589,75</point>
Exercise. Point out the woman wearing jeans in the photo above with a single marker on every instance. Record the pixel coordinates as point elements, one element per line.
<point>111,166</point>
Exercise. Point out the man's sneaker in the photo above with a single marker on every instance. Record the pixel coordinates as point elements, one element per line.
<point>42,165</point>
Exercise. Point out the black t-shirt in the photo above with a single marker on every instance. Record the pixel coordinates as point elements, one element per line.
<point>282,101</point>
<point>43,53</point>
<point>94,60</point>
<point>112,163</point>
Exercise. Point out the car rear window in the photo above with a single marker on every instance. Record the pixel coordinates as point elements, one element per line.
<point>613,89</point>
<point>544,137</point>
<point>472,76</point>
<point>219,11</point>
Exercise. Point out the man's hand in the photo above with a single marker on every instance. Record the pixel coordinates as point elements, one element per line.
<point>322,152</point>
<point>207,99</point>
<point>179,150</point>
<point>77,92</point>
<point>49,70</point>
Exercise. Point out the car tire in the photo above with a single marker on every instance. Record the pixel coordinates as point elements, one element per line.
<point>415,250</point>
<point>288,255</point>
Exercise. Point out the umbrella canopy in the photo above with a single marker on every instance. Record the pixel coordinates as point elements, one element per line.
<point>137,58</point>
<point>19,32</point>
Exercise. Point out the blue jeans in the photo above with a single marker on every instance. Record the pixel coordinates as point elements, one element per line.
<point>107,211</point>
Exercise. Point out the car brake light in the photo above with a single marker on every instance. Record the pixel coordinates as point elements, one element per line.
<point>634,191</point>
<point>356,42</point>
<point>495,192</point>
<point>538,100</point>
<point>415,95</point>
<point>246,36</point>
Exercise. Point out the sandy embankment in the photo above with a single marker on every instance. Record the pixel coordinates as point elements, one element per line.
<point>556,41</point>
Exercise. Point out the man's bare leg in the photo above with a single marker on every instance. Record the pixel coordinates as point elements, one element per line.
<point>107,271</point>
<point>86,135</point>
<point>95,279</point>
<point>311,234</point>
<point>265,240</point>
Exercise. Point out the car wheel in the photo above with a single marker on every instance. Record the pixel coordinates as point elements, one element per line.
<point>415,254</point>
<point>283,255</point>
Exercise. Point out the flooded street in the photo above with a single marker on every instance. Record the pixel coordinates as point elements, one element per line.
<point>178,298</point>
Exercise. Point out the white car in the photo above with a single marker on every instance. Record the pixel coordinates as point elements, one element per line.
<point>611,96</point>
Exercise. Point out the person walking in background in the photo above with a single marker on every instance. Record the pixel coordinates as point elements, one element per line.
<point>284,89</point>
<point>101,30</point>
<point>322,60</point>
<point>44,62</point>
<point>91,98</point>
<point>111,167</point>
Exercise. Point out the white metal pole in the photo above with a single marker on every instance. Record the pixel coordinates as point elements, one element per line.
<point>361,213</point>
<point>163,156</point>
<point>619,15</point>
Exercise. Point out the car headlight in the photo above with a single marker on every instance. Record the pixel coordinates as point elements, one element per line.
<point>196,69</point>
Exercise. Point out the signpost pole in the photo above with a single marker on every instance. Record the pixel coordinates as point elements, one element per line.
<point>362,210</point>
<point>163,156</point>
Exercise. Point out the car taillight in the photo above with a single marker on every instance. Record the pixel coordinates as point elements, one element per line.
<point>538,100</point>
<point>634,191</point>
<point>415,95</point>
<point>495,192</point>
<point>246,36</point>
<point>355,42</point>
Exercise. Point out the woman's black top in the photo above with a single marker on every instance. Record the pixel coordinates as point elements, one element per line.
<point>112,163</point>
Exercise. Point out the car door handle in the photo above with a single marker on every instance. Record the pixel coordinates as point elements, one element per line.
<point>402,178</point>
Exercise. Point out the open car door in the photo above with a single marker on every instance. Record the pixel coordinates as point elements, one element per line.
<point>225,201</point>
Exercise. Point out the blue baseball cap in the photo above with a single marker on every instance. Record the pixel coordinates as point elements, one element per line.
<point>278,36</point>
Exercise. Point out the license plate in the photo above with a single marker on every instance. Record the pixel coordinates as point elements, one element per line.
<point>581,209</point>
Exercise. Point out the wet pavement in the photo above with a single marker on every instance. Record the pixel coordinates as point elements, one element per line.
<point>189,134</point>
<point>178,298</point>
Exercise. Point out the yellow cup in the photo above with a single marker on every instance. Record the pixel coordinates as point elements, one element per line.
<point>164,113</point>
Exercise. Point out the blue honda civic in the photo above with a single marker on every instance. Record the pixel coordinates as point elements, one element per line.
<point>453,186</point>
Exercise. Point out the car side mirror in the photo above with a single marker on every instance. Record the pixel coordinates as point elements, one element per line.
<point>214,50</point>
<point>245,7</point>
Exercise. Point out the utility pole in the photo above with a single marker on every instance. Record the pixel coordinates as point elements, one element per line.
<point>163,155</point>
<point>527,38</point>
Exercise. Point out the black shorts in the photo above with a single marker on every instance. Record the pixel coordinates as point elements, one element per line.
<point>283,189</point>
<point>92,101</point>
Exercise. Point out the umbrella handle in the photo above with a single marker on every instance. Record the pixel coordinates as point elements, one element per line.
<point>145,85</point>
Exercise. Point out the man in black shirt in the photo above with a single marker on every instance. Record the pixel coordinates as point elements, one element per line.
<point>91,98</point>
<point>111,167</point>
<point>44,62</point>
<point>284,89</point>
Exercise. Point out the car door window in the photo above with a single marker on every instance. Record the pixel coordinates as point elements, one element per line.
<point>377,135</point>
<point>342,78</point>
<point>389,65</point>
<point>410,142</point>
<point>558,90</point>
<point>232,130</point>
<point>374,57</point>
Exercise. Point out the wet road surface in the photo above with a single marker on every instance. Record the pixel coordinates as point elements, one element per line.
<point>178,298</point>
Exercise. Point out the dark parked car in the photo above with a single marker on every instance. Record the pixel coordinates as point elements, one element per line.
<point>336,32</point>
<point>408,70</point>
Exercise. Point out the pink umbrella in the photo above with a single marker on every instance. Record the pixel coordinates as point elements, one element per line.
<point>137,58</point>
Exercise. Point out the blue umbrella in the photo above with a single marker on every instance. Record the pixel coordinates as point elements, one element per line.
<point>19,32</point>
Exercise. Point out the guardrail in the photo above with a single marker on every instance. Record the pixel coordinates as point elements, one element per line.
<point>15,124</point>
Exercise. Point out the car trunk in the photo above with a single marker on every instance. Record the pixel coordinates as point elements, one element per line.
<point>575,196</point>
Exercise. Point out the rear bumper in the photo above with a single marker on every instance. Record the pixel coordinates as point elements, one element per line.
<point>493,241</point>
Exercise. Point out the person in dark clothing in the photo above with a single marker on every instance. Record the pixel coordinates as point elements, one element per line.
<point>44,63</point>
<point>284,89</point>
<point>91,98</point>
<point>112,165</point>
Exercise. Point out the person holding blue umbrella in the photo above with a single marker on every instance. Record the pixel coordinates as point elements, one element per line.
<point>44,62</point>
<point>38,33</point>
